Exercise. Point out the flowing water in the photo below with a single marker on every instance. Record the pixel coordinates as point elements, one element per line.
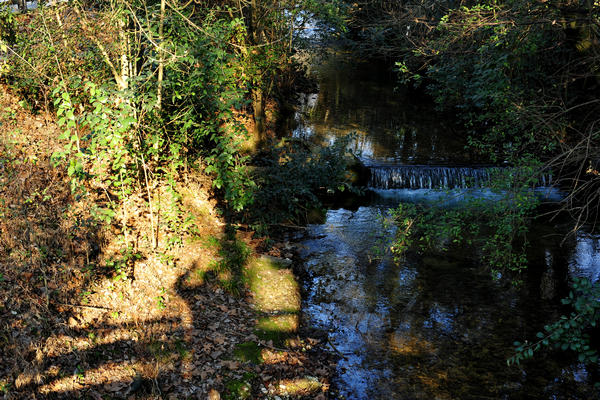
<point>436,326</point>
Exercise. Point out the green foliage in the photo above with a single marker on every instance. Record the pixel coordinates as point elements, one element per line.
<point>571,332</point>
<point>487,67</point>
<point>8,29</point>
<point>123,263</point>
<point>203,89</point>
<point>99,128</point>
<point>232,256</point>
<point>513,75</point>
<point>161,299</point>
<point>141,97</point>
<point>290,178</point>
<point>50,45</point>
<point>239,389</point>
<point>389,29</point>
<point>5,386</point>
<point>499,227</point>
<point>118,135</point>
<point>521,76</point>
<point>248,352</point>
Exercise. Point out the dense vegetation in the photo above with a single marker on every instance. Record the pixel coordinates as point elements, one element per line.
<point>167,113</point>
<point>145,90</point>
<point>521,77</point>
<point>147,93</point>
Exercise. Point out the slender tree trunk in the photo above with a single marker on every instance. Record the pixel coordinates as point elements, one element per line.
<point>258,96</point>
<point>119,76</point>
<point>258,106</point>
<point>161,54</point>
<point>124,56</point>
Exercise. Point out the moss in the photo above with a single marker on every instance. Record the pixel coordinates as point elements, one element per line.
<point>277,328</point>
<point>238,389</point>
<point>159,350</point>
<point>182,350</point>
<point>273,285</point>
<point>277,298</point>
<point>248,352</point>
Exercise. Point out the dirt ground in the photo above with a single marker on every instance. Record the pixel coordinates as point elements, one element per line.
<point>202,316</point>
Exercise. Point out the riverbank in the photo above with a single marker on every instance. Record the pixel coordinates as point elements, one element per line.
<point>194,318</point>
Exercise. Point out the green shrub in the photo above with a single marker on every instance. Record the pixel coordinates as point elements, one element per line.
<point>571,332</point>
<point>499,227</point>
<point>291,178</point>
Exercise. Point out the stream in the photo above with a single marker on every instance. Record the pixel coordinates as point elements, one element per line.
<point>434,326</point>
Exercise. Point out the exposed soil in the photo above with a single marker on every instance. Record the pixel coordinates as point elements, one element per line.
<point>81,319</point>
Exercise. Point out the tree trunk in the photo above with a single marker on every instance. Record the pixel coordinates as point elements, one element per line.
<point>258,106</point>
<point>161,54</point>
<point>250,14</point>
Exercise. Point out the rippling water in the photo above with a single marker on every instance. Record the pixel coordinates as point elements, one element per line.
<point>435,326</point>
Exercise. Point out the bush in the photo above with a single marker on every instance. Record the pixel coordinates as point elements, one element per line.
<point>499,227</point>
<point>290,179</point>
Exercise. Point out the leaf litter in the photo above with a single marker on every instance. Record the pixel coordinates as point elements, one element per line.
<point>170,330</point>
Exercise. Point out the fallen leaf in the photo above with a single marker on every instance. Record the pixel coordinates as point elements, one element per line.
<point>115,386</point>
<point>95,395</point>
<point>232,365</point>
<point>214,395</point>
<point>219,339</point>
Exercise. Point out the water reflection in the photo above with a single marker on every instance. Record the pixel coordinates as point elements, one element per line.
<point>360,97</point>
<point>434,327</point>
<point>585,262</point>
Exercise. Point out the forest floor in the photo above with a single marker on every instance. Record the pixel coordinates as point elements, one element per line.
<point>203,316</point>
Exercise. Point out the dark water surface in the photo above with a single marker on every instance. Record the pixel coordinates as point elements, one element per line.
<point>391,127</point>
<point>436,326</point>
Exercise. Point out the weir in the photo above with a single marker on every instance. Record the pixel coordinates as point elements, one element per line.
<point>436,177</point>
<point>432,324</point>
<point>429,177</point>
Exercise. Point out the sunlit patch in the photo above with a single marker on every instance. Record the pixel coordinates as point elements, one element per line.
<point>113,376</point>
<point>298,387</point>
<point>274,287</point>
<point>28,377</point>
<point>91,338</point>
<point>410,346</point>
<point>272,356</point>
<point>277,298</point>
<point>279,323</point>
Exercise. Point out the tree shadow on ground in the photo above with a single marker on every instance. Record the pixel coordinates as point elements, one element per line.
<point>196,346</point>
<point>60,340</point>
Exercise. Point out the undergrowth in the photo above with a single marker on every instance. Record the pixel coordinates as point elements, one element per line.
<point>292,179</point>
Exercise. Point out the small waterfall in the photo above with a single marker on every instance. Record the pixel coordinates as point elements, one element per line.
<point>429,177</point>
<point>437,177</point>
